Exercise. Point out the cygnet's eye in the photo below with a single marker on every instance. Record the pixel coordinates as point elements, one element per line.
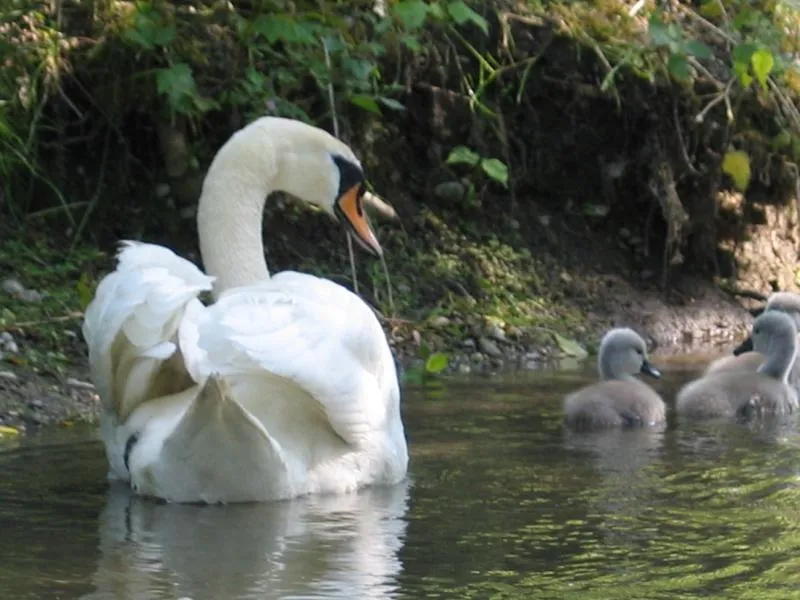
<point>639,352</point>
<point>756,331</point>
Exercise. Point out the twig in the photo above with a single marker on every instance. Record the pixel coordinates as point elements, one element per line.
<point>60,319</point>
<point>681,143</point>
<point>380,205</point>
<point>334,118</point>
<point>722,96</point>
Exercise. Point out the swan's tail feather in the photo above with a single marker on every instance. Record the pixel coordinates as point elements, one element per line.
<point>218,450</point>
<point>131,325</point>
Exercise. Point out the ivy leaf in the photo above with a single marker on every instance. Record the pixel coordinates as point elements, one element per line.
<point>762,62</point>
<point>496,169</point>
<point>437,362</point>
<point>737,164</point>
<point>678,66</point>
<point>286,28</point>
<point>461,13</point>
<point>570,347</point>
<point>177,84</point>
<point>462,155</point>
<point>658,31</point>
<point>368,103</point>
<point>391,103</point>
<point>698,49</point>
<point>411,13</point>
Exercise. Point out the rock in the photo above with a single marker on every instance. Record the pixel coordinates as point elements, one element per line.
<point>188,212</point>
<point>452,191</point>
<point>12,286</point>
<point>36,404</point>
<point>440,321</point>
<point>30,296</point>
<point>162,190</point>
<point>464,368</point>
<point>415,335</point>
<point>477,357</point>
<point>488,347</point>
<point>495,332</point>
<point>514,332</point>
<point>8,375</point>
<point>469,344</point>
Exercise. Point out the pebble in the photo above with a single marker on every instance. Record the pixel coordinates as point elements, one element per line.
<point>451,191</point>
<point>495,332</point>
<point>7,374</point>
<point>30,296</point>
<point>12,286</point>
<point>469,344</point>
<point>85,385</point>
<point>487,346</point>
<point>440,321</point>
<point>162,190</point>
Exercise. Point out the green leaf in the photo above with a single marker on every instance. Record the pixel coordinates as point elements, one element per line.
<point>737,164</point>
<point>570,347</point>
<point>762,62</point>
<point>496,169</point>
<point>6,430</point>
<point>368,103</point>
<point>678,66</point>
<point>698,49</point>
<point>658,31</point>
<point>177,84</point>
<point>461,13</point>
<point>391,103</point>
<point>411,13</point>
<point>437,362</point>
<point>462,155</point>
<point>412,43</point>
<point>84,291</point>
<point>286,28</point>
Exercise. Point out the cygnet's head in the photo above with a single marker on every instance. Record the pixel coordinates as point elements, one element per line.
<point>787,302</point>
<point>623,353</point>
<point>771,329</point>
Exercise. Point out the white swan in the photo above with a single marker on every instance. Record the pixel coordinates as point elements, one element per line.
<point>284,386</point>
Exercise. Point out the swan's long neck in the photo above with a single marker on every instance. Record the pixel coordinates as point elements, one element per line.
<point>231,207</point>
<point>780,358</point>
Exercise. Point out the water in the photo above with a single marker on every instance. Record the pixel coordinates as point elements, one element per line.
<point>501,503</point>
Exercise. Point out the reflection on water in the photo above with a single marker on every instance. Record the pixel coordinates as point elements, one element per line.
<point>502,503</point>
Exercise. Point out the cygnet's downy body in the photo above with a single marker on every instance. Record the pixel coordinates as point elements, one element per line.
<point>619,399</point>
<point>745,394</point>
<point>750,361</point>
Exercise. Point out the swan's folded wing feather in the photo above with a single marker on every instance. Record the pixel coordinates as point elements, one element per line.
<point>135,314</point>
<point>309,331</point>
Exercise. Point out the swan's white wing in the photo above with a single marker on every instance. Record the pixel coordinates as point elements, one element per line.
<point>308,331</point>
<point>131,324</point>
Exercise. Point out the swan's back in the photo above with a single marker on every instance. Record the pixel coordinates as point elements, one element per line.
<point>608,404</point>
<point>738,393</point>
<point>735,394</point>
<point>618,400</point>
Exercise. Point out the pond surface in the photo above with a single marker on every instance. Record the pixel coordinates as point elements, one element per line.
<point>501,503</point>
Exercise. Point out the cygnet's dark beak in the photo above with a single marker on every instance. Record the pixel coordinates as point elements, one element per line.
<point>745,346</point>
<point>649,369</point>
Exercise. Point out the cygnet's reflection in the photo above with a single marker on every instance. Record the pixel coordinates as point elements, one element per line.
<point>342,546</point>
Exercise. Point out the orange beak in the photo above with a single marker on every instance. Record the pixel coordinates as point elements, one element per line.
<point>349,206</point>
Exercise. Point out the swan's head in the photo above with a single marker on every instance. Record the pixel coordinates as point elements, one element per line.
<point>322,170</point>
<point>624,353</point>
<point>772,330</point>
<point>787,302</point>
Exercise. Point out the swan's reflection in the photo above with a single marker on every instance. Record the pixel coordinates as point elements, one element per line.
<point>326,546</point>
